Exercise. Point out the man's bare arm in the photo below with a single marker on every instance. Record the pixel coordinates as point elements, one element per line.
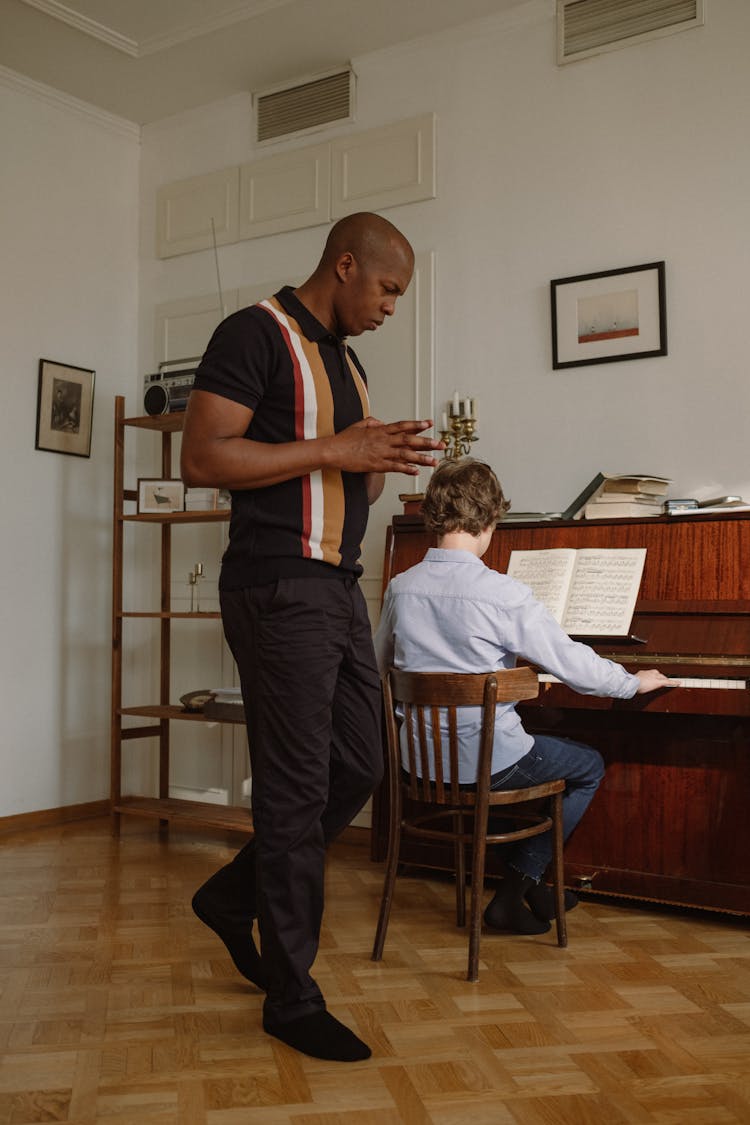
<point>215,452</point>
<point>375,483</point>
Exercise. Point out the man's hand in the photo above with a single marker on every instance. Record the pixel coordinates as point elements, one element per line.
<point>651,680</point>
<point>371,446</point>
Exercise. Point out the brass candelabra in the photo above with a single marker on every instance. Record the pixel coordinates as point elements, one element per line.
<point>459,432</point>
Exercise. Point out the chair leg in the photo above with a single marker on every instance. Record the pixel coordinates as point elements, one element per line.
<point>459,862</point>
<point>475,909</point>
<point>391,867</point>
<point>558,876</point>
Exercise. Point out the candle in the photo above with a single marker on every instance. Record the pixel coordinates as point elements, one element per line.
<point>475,405</point>
<point>456,407</point>
<point>467,407</point>
<point>445,421</point>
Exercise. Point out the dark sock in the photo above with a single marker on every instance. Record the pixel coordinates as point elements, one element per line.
<point>541,899</point>
<point>507,910</point>
<point>233,925</point>
<point>320,1035</point>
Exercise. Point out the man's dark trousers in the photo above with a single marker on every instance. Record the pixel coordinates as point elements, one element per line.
<point>310,685</point>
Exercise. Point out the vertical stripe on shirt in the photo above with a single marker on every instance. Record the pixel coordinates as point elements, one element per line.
<point>323,489</point>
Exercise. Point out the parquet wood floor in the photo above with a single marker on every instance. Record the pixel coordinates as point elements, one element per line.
<point>118,1007</point>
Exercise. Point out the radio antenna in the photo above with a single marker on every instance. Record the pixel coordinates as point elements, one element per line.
<point>216,259</point>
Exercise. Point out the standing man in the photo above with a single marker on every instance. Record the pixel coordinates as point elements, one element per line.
<point>279,414</point>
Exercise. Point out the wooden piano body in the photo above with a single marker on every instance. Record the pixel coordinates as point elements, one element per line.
<point>671,820</point>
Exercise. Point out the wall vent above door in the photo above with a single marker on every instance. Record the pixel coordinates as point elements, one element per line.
<point>308,104</point>
<point>586,27</point>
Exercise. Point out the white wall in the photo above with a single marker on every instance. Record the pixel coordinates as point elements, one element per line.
<point>68,292</point>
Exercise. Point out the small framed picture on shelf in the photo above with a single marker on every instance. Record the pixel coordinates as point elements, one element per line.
<point>160,496</point>
<point>609,316</point>
<point>64,408</point>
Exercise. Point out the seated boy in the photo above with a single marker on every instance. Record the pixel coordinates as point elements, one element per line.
<point>451,613</point>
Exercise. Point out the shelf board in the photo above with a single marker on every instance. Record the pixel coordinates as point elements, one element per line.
<point>207,615</point>
<point>232,818</point>
<point>167,711</point>
<point>164,423</point>
<point>222,514</point>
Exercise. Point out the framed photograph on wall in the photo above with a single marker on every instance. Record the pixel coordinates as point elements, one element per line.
<point>608,316</point>
<point>64,408</point>
<point>160,496</point>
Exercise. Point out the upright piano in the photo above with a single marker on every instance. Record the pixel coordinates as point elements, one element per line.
<point>670,822</point>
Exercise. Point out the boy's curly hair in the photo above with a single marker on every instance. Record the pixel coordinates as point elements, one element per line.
<point>463,495</point>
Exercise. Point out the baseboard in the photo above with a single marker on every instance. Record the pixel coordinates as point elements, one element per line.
<point>46,818</point>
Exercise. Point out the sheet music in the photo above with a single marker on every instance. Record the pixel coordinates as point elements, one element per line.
<point>604,591</point>
<point>548,573</point>
<point>590,592</point>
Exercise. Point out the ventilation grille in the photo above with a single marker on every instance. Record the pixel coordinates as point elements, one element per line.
<point>307,105</point>
<point>585,27</point>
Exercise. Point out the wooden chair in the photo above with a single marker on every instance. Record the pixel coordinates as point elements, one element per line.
<point>444,810</point>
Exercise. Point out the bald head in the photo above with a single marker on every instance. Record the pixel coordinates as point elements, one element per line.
<point>369,238</point>
<point>367,263</point>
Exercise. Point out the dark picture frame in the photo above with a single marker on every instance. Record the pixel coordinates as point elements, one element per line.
<point>64,408</point>
<point>609,316</point>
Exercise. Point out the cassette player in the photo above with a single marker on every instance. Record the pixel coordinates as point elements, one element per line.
<point>168,390</point>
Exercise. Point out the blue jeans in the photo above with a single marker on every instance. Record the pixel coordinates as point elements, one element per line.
<point>551,758</point>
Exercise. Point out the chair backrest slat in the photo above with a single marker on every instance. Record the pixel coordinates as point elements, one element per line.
<point>424,754</point>
<point>453,751</point>
<point>438,756</point>
<point>411,750</point>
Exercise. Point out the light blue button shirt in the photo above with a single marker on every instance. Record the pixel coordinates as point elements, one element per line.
<point>451,613</point>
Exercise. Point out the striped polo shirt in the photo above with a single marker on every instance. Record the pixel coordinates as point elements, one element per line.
<point>301,382</point>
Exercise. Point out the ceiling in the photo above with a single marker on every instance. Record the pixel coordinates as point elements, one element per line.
<point>147,59</point>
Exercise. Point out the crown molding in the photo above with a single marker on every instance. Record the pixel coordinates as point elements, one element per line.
<point>155,43</point>
<point>18,82</point>
<point>217,22</point>
<point>88,26</point>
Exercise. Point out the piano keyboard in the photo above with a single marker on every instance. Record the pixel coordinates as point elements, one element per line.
<point>684,682</point>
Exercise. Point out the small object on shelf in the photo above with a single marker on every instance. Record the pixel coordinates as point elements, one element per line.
<point>722,502</point>
<point>194,579</point>
<point>196,700</point>
<point>201,499</point>
<point>226,704</point>
<point>672,507</point>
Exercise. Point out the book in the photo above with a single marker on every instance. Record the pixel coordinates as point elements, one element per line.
<point>574,509</point>
<point>627,498</point>
<point>590,591</point>
<point>601,510</point>
<point>635,484</point>
<point>412,502</point>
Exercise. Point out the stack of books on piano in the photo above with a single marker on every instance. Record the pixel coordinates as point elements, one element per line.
<point>619,494</point>
<point>626,495</point>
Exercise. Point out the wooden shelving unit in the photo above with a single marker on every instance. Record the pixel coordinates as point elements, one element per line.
<point>163,808</point>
